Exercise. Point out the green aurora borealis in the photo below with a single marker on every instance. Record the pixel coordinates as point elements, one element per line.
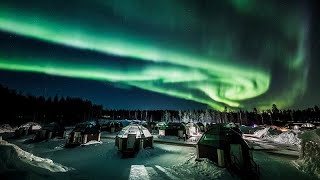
<point>219,53</point>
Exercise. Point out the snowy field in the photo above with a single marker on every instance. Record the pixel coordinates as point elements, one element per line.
<point>102,161</point>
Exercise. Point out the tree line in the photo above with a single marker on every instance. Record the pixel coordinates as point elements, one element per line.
<point>273,116</point>
<point>18,108</point>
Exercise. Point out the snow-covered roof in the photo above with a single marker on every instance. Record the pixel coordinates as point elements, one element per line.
<point>108,121</point>
<point>139,130</point>
<point>4,128</point>
<point>218,134</point>
<point>171,125</point>
<point>308,125</point>
<point>87,127</point>
<point>35,126</point>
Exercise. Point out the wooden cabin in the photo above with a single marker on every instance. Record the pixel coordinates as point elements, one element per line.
<point>83,133</point>
<point>223,144</point>
<point>132,138</point>
<point>49,131</point>
<point>172,129</point>
<point>192,129</point>
<point>27,129</point>
<point>113,125</point>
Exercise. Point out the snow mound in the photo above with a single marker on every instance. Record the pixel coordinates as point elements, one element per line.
<point>288,137</point>
<point>11,154</point>
<point>92,142</point>
<point>6,128</point>
<point>205,169</point>
<point>266,132</point>
<point>309,160</point>
<point>261,133</point>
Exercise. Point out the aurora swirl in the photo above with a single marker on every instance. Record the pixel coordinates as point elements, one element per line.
<point>218,58</point>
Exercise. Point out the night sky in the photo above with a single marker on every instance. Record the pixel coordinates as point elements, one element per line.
<point>168,54</point>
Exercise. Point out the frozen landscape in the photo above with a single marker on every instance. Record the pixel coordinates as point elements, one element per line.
<point>101,160</point>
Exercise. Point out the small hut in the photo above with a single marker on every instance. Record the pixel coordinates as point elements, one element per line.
<point>50,131</point>
<point>113,125</point>
<point>223,144</point>
<point>307,126</point>
<point>132,138</point>
<point>192,129</point>
<point>142,123</point>
<point>172,129</point>
<point>27,128</point>
<point>83,133</point>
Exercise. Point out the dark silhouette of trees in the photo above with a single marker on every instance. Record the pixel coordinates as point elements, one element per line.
<point>17,108</point>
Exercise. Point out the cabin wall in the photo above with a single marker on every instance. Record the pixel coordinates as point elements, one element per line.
<point>209,152</point>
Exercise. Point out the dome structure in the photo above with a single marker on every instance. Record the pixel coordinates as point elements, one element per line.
<point>132,138</point>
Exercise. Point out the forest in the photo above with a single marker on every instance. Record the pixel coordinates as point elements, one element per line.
<point>18,108</point>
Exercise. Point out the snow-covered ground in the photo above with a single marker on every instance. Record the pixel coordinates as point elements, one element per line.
<point>13,151</point>
<point>16,163</point>
<point>103,161</point>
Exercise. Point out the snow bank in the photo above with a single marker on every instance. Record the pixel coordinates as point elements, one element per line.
<point>6,128</point>
<point>309,160</point>
<point>92,142</point>
<point>13,156</point>
<point>266,132</point>
<point>288,137</point>
<point>261,133</point>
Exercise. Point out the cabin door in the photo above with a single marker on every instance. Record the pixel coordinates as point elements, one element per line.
<point>131,140</point>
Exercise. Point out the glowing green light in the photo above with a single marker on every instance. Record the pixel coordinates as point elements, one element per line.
<point>210,79</point>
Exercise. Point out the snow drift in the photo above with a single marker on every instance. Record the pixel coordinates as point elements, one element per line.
<point>13,158</point>
<point>266,132</point>
<point>309,160</point>
<point>288,137</point>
